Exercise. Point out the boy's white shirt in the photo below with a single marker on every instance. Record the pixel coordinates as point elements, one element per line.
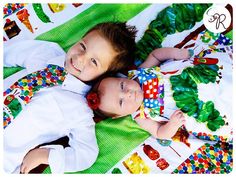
<point>53,113</point>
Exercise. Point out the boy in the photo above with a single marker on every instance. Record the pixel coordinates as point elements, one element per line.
<point>62,110</point>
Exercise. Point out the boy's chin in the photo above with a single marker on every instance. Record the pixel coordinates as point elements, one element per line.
<point>78,76</point>
<point>72,72</point>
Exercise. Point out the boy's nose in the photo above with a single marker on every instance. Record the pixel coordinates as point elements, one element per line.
<point>80,61</point>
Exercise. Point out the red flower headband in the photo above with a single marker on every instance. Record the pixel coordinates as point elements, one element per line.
<point>93,100</point>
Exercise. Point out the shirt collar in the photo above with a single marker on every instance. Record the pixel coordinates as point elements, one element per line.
<point>70,83</point>
<point>73,84</point>
<point>60,61</point>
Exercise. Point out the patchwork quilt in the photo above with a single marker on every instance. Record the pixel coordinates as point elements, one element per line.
<point>202,86</point>
<point>201,150</point>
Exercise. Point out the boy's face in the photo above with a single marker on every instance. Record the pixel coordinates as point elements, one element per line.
<point>120,96</point>
<point>90,57</point>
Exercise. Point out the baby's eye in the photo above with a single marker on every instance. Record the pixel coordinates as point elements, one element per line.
<point>121,102</point>
<point>122,85</point>
<point>83,46</point>
<point>94,61</point>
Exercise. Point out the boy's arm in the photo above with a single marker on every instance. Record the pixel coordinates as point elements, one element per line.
<point>33,159</point>
<point>163,131</point>
<point>157,56</point>
<point>80,155</point>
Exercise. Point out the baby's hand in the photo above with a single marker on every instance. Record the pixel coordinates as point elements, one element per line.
<point>177,119</point>
<point>183,54</point>
<point>33,159</point>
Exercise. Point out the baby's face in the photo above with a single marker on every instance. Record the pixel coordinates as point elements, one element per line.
<point>90,57</point>
<point>120,96</point>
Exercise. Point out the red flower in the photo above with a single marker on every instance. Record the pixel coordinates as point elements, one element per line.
<point>93,100</point>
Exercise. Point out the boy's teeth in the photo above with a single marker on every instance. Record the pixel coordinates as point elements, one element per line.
<point>73,64</point>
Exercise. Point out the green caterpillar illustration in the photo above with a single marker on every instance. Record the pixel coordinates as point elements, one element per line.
<point>40,13</point>
<point>186,94</point>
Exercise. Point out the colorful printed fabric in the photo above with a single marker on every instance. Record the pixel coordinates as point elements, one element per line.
<point>218,39</point>
<point>214,40</point>
<point>209,159</point>
<point>11,8</point>
<point>210,137</point>
<point>207,68</point>
<point>21,92</point>
<point>152,84</point>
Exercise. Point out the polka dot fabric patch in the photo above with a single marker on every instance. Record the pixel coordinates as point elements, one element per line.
<point>152,83</point>
<point>152,86</point>
<point>209,159</point>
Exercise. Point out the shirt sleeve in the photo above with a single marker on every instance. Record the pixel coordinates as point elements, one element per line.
<point>80,155</point>
<point>31,54</point>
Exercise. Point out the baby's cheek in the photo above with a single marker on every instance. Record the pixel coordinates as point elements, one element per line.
<point>133,107</point>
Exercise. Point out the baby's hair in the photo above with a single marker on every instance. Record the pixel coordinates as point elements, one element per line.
<point>122,38</point>
<point>99,114</point>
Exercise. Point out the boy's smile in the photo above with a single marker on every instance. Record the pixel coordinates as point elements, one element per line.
<point>90,57</point>
<point>71,61</point>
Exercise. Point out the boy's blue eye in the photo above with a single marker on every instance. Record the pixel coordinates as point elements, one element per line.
<point>94,61</point>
